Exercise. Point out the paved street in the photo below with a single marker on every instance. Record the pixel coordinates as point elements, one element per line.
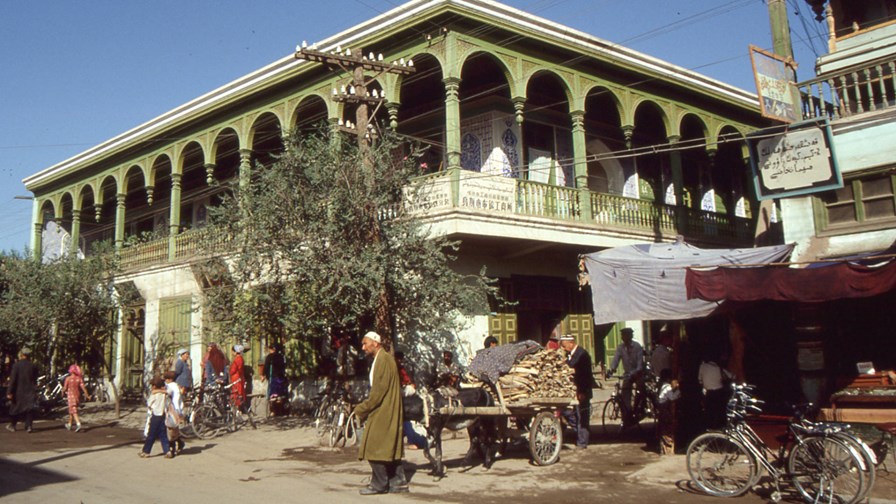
<point>282,462</point>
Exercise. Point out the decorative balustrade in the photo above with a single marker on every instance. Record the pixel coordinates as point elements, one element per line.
<point>630,213</point>
<point>144,254</point>
<point>190,244</point>
<point>434,193</point>
<point>545,200</point>
<point>855,90</point>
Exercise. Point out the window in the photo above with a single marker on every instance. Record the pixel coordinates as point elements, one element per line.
<point>869,201</point>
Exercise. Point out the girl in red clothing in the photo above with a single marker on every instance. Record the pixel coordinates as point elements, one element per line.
<point>73,386</point>
<point>237,377</point>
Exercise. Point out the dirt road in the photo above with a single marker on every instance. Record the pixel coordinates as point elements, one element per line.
<point>282,462</point>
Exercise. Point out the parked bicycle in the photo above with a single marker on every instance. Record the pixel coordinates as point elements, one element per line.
<point>334,419</point>
<point>218,413</point>
<point>643,407</point>
<point>97,389</point>
<point>50,392</point>
<point>821,463</point>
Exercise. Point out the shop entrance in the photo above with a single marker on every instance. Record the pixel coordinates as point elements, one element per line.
<point>537,325</point>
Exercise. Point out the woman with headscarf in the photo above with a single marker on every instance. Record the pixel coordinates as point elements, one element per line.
<point>73,386</point>
<point>237,377</point>
<point>214,363</point>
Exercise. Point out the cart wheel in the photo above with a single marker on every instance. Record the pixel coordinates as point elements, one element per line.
<point>545,438</point>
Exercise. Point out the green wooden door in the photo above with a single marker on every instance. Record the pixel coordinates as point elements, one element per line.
<point>175,323</point>
<point>503,326</point>
<point>132,350</point>
<point>581,326</point>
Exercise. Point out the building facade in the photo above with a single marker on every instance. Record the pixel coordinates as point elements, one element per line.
<point>853,90</point>
<point>545,143</point>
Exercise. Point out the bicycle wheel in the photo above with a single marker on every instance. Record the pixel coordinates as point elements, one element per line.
<point>721,466</point>
<point>545,438</point>
<point>825,469</point>
<point>867,456</point>
<point>206,421</point>
<point>612,416</point>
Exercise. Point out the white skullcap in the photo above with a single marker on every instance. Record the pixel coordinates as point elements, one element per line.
<point>567,337</point>
<point>373,336</point>
<point>238,348</point>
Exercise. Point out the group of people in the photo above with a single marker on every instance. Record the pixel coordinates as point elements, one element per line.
<point>21,393</point>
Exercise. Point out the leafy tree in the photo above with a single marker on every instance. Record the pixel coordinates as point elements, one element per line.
<point>322,240</point>
<point>63,309</point>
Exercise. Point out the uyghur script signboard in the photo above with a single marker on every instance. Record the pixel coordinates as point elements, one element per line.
<point>795,160</point>
<point>775,77</point>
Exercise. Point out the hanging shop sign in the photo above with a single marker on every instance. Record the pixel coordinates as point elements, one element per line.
<point>775,76</point>
<point>793,160</point>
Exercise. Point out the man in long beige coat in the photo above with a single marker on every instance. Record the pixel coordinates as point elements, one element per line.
<point>382,444</point>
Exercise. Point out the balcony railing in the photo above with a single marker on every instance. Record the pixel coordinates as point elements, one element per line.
<point>144,254</point>
<point>852,91</point>
<point>496,196</point>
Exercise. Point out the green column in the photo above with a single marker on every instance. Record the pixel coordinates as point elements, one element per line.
<point>580,158</point>
<point>209,173</point>
<point>677,183</point>
<point>76,230</point>
<point>392,108</point>
<point>120,199</point>
<point>174,215</point>
<point>452,134</point>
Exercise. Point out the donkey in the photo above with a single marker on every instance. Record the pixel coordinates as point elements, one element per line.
<point>483,430</point>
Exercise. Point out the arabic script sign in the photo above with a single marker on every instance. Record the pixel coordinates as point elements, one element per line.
<point>798,160</point>
<point>775,77</point>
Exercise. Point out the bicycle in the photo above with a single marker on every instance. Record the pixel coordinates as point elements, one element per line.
<point>730,462</point>
<point>219,413</point>
<point>334,419</point>
<point>96,387</point>
<point>643,407</point>
<point>50,393</point>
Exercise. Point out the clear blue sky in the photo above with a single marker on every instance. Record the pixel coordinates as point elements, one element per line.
<point>73,74</point>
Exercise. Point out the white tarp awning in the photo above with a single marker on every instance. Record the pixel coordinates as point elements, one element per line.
<point>646,281</point>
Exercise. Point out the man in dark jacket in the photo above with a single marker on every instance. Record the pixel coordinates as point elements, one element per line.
<point>580,361</point>
<point>22,391</point>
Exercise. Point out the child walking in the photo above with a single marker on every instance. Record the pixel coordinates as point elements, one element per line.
<point>73,386</point>
<point>156,406</point>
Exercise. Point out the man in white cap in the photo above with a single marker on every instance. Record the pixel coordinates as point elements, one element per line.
<point>382,444</point>
<point>580,361</point>
<point>183,374</point>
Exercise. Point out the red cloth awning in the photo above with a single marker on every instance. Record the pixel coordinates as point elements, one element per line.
<point>780,283</point>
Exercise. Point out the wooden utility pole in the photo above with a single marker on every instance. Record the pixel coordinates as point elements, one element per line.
<point>355,64</point>
<point>777,15</point>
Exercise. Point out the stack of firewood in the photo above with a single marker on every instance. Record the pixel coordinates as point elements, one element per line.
<point>543,374</point>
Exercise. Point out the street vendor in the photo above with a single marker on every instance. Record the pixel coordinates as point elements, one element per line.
<point>381,444</point>
<point>579,418</point>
